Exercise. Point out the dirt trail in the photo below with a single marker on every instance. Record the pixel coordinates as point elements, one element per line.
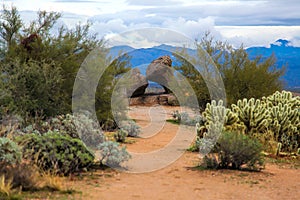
<point>181,180</point>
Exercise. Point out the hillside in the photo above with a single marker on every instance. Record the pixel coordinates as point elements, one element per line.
<point>285,54</point>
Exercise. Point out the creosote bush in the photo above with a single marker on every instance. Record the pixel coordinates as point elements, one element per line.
<point>235,151</point>
<point>55,152</point>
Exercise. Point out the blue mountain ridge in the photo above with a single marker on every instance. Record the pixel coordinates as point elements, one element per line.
<point>285,54</point>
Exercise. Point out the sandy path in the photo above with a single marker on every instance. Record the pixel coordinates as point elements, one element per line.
<point>180,181</point>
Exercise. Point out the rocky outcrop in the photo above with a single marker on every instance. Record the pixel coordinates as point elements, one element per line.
<point>138,83</point>
<point>159,71</point>
<point>150,100</point>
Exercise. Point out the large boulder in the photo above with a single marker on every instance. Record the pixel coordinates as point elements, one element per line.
<point>160,71</point>
<point>138,83</point>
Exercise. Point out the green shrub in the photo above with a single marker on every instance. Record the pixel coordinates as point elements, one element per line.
<point>55,152</point>
<point>234,151</point>
<point>120,135</point>
<point>112,155</point>
<point>10,153</point>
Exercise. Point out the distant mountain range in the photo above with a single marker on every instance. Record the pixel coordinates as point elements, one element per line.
<point>285,54</point>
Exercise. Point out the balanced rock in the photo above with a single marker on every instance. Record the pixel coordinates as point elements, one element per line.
<point>138,83</point>
<point>160,71</point>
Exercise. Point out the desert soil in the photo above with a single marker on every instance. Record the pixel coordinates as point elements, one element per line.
<point>181,180</point>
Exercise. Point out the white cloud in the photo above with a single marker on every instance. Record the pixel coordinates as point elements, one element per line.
<point>259,35</point>
<point>192,28</point>
<point>149,37</point>
<point>247,22</point>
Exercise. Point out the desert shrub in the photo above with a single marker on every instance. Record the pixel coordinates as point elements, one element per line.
<point>112,155</point>
<point>120,135</point>
<point>55,152</point>
<point>186,119</point>
<point>10,152</point>
<point>132,128</point>
<point>77,126</point>
<point>234,150</point>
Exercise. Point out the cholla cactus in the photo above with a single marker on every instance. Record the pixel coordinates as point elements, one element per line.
<point>210,137</point>
<point>254,114</point>
<point>285,125</point>
<point>218,113</point>
<point>285,118</point>
<point>284,97</point>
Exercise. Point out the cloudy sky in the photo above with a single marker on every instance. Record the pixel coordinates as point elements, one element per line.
<point>253,23</point>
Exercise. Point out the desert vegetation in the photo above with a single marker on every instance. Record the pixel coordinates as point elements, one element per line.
<point>43,144</point>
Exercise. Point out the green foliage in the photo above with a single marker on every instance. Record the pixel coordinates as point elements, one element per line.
<point>10,152</point>
<point>35,88</point>
<point>120,135</point>
<point>112,155</point>
<point>55,152</point>
<point>242,77</point>
<point>105,89</point>
<point>235,150</point>
<point>133,130</point>
<point>37,75</point>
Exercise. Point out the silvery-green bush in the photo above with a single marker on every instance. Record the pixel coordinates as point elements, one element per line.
<point>132,128</point>
<point>77,126</point>
<point>186,119</point>
<point>112,154</point>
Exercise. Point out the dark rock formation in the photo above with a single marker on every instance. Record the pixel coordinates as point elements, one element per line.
<point>159,71</point>
<point>138,83</point>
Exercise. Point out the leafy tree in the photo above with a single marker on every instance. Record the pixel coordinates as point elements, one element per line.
<point>242,77</point>
<point>39,64</point>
